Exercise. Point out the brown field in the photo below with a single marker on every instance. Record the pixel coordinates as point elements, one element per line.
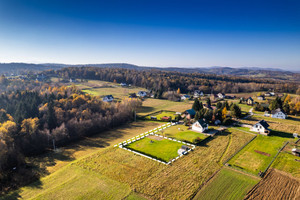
<point>276,185</point>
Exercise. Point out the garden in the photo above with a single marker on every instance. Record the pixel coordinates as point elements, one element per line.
<point>163,116</point>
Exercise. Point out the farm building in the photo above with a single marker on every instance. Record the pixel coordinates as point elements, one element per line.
<point>108,98</point>
<point>296,152</point>
<point>184,97</point>
<point>198,93</point>
<point>189,114</point>
<point>183,150</point>
<point>261,127</point>
<point>200,126</point>
<point>278,113</point>
<point>142,93</point>
<point>261,97</point>
<point>250,101</point>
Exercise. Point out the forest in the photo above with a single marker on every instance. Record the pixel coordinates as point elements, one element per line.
<point>162,81</point>
<point>35,120</point>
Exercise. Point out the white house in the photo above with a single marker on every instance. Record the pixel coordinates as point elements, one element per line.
<point>142,93</point>
<point>200,126</point>
<point>261,98</point>
<point>261,127</point>
<point>108,98</point>
<point>221,95</point>
<point>123,84</point>
<point>73,80</point>
<point>278,113</point>
<point>184,97</point>
<point>198,93</point>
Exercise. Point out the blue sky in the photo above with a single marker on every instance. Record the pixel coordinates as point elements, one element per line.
<point>245,33</point>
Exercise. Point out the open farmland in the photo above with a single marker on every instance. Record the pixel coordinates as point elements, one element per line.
<point>227,184</point>
<point>276,185</point>
<point>256,156</point>
<point>288,162</point>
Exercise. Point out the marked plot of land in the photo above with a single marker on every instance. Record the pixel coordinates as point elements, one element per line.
<point>162,149</point>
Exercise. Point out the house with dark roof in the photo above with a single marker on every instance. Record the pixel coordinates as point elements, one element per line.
<point>261,127</point>
<point>250,101</point>
<point>142,93</point>
<point>189,114</point>
<point>200,126</point>
<point>198,93</point>
<point>184,97</point>
<point>108,98</point>
<point>278,113</point>
<point>296,152</point>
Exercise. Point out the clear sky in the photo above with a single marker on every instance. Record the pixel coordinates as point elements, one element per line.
<point>203,33</point>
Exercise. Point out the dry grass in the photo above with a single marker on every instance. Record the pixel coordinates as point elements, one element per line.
<point>276,186</point>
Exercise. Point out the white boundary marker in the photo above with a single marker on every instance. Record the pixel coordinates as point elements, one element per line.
<point>153,132</point>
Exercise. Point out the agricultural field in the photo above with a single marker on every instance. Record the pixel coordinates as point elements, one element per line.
<point>256,156</point>
<point>227,184</point>
<point>157,147</point>
<point>182,133</point>
<point>151,105</point>
<point>276,185</point>
<point>287,162</point>
<point>161,114</point>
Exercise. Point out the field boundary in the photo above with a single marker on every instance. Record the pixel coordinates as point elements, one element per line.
<point>123,145</point>
<point>274,158</point>
<point>239,149</point>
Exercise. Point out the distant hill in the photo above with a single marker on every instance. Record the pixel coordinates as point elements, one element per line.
<point>19,68</point>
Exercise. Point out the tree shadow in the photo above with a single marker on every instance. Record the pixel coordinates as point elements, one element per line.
<point>146,109</point>
<point>281,134</point>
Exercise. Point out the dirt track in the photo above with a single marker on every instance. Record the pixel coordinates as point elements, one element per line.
<point>276,185</point>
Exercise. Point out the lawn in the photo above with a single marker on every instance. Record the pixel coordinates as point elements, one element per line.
<point>164,149</point>
<point>286,161</point>
<point>151,105</point>
<point>227,184</point>
<point>182,133</point>
<point>162,114</point>
<point>258,154</point>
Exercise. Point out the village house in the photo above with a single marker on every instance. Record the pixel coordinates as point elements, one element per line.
<point>184,97</point>
<point>221,95</point>
<point>142,93</point>
<point>123,84</point>
<point>296,152</point>
<point>189,114</point>
<point>261,97</point>
<point>278,113</point>
<point>73,80</point>
<point>198,93</point>
<point>261,127</point>
<point>267,94</point>
<point>250,101</point>
<point>108,98</point>
<point>200,126</point>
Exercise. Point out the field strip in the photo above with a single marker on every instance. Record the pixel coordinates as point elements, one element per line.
<point>228,145</point>
<point>244,131</point>
<point>241,172</point>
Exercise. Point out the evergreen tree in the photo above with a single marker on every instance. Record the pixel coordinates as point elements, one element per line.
<point>51,119</point>
<point>196,105</point>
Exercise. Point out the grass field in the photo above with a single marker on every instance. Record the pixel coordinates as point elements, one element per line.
<point>151,105</point>
<point>286,161</point>
<point>183,134</point>
<point>164,149</point>
<point>250,160</point>
<point>123,169</point>
<point>227,184</point>
<point>163,114</point>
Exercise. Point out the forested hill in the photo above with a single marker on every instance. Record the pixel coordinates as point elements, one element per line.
<point>21,68</point>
